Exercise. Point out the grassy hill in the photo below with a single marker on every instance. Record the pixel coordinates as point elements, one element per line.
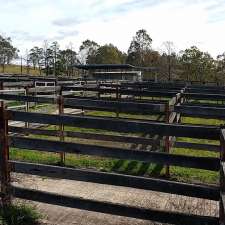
<point>17,70</point>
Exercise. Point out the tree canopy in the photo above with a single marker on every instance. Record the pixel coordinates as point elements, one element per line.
<point>189,64</point>
<point>109,54</point>
<point>7,51</point>
<point>196,64</point>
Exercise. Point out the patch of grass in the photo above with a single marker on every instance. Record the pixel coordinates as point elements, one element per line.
<point>19,214</point>
<point>89,162</point>
<point>190,174</point>
<point>122,115</point>
<point>194,175</point>
<point>124,166</point>
<point>202,121</point>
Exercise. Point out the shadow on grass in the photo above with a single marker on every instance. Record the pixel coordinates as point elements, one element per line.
<point>137,168</point>
<point>131,165</point>
<point>143,169</point>
<point>118,165</point>
<point>156,171</point>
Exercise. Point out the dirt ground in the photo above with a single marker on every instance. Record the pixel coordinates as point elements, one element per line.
<point>57,215</point>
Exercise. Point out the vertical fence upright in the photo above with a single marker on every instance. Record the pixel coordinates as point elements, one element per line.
<point>4,157</point>
<point>167,138</point>
<point>1,85</point>
<point>27,105</point>
<point>222,177</point>
<point>61,127</point>
<point>117,98</point>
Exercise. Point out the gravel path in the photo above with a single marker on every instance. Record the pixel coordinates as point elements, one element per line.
<point>57,215</point>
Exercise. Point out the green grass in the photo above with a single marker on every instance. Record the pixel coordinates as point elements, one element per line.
<point>19,214</point>
<point>88,162</point>
<point>197,175</point>
<point>202,121</point>
<point>123,166</point>
<point>122,115</point>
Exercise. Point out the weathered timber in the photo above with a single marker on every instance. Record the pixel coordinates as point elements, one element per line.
<point>196,111</point>
<point>113,208</point>
<point>207,163</point>
<point>200,96</point>
<point>120,125</point>
<point>28,98</point>
<point>192,190</point>
<point>123,106</point>
<point>92,136</point>
<point>123,91</point>
<point>114,105</point>
<point>197,146</point>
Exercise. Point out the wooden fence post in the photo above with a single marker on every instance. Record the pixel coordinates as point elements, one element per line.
<point>61,127</point>
<point>1,85</point>
<point>4,157</point>
<point>27,105</point>
<point>117,98</point>
<point>167,138</point>
<point>222,177</point>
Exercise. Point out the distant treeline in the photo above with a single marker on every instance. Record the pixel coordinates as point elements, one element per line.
<point>190,64</point>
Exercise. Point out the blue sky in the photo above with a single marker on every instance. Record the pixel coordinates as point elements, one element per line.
<point>185,22</point>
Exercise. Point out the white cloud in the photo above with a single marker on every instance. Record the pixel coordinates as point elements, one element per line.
<point>185,22</point>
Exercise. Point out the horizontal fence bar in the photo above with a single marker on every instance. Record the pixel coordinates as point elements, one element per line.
<point>206,163</point>
<point>28,98</point>
<point>12,91</point>
<point>93,136</point>
<point>113,208</point>
<point>133,100</point>
<point>191,190</point>
<point>200,96</point>
<point>18,84</point>
<point>196,111</point>
<point>205,90</point>
<point>119,125</point>
<point>198,146</point>
<point>93,104</point>
<point>203,104</point>
<point>114,105</point>
<point>122,91</point>
<point>45,89</point>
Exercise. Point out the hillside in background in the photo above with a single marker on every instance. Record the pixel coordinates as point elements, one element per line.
<point>17,70</point>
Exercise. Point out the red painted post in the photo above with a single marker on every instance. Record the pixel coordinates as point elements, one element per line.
<point>61,128</point>
<point>4,157</point>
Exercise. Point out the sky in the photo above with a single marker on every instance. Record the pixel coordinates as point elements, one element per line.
<point>184,22</point>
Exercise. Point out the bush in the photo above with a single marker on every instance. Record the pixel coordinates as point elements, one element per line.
<point>19,215</point>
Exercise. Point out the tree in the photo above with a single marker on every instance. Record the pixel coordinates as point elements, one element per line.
<point>54,48</point>
<point>87,51</point>
<point>7,51</point>
<point>36,56</point>
<point>109,54</point>
<point>140,49</point>
<point>221,62</point>
<point>197,65</point>
<point>68,58</point>
<point>169,53</point>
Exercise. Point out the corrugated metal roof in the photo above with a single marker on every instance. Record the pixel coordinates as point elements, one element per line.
<point>114,66</point>
<point>104,66</point>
